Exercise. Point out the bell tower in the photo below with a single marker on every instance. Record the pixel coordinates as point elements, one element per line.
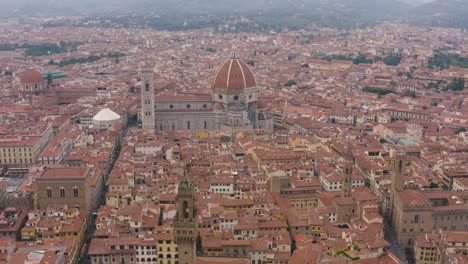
<point>186,223</point>
<point>147,97</point>
<point>348,169</point>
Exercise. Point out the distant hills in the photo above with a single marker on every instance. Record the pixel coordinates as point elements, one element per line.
<point>416,2</point>
<point>86,7</point>
<point>446,13</point>
<point>340,13</point>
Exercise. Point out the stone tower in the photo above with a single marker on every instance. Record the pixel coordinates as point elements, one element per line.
<point>398,178</point>
<point>147,97</point>
<point>348,170</point>
<point>186,223</point>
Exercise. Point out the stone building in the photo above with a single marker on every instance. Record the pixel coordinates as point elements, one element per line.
<point>417,212</point>
<point>74,187</point>
<point>31,83</point>
<point>186,223</point>
<point>232,104</point>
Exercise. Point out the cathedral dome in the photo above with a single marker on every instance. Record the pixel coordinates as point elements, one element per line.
<point>31,77</point>
<point>234,74</point>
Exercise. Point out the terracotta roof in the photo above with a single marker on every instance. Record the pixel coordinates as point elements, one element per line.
<point>31,76</point>
<point>234,74</point>
<point>208,260</point>
<point>413,198</point>
<point>57,173</point>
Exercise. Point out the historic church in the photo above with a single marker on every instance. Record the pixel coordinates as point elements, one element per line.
<point>232,104</point>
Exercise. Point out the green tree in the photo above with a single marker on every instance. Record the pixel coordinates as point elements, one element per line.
<point>292,56</point>
<point>457,84</point>
<point>444,61</point>
<point>410,93</point>
<point>378,91</point>
<point>362,59</point>
<point>460,130</point>
<point>290,83</point>
<point>392,60</point>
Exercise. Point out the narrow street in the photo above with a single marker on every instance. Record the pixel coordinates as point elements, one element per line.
<point>394,247</point>
<point>84,258</point>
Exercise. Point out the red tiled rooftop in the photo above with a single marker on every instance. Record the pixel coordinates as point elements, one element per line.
<point>56,173</point>
<point>234,74</point>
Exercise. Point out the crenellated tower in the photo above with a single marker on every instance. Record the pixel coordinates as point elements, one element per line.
<point>348,172</point>
<point>186,223</point>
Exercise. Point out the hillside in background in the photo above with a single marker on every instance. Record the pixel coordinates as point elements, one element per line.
<point>274,14</point>
<point>445,13</point>
<point>160,7</point>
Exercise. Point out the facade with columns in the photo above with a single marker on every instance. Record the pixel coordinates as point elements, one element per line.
<point>232,103</point>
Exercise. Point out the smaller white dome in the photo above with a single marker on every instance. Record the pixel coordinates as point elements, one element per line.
<point>106,115</point>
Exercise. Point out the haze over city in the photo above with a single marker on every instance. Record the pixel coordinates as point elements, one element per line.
<point>235,132</point>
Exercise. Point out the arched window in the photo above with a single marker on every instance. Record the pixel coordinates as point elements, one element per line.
<point>161,256</point>
<point>188,125</point>
<point>75,192</point>
<point>185,209</point>
<point>169,256</point>
<point>400,166</point>
<point>205,125</point>
<point>147,86</point>
<point>62,192</point>
<point>49,192</point>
